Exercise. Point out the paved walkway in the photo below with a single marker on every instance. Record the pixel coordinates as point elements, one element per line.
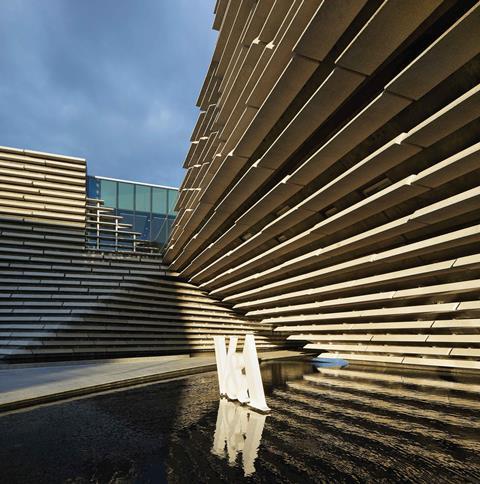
<point>22,386</point>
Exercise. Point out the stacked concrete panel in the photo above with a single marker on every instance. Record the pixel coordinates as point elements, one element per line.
<point>76,305</point>
<point>74,281</point>
<point>42,188</point>
<point>333,178</point>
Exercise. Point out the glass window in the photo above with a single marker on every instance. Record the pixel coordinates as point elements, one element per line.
<point>142,225</point>
<point>108,193</point>
<point>159,224</point>
<point>128,218</point>
<point>172,200</point>
<point>125,196</point>
<point>170,222</point>
<point>142,198</point>
<point>159,200</point>
<point>163,236</point>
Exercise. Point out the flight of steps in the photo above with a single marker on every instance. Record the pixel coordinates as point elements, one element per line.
<point>57,302</point>
<point>76,282</point>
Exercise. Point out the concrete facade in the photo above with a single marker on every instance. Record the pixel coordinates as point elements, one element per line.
<point>76,282</point>
<point>333,178</point>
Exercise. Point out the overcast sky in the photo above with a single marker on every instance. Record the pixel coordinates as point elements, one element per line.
<point>114,81</point>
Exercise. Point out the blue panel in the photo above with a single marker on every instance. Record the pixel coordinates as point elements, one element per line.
<point>142,198</point>
<point>125,196</point>
<point>128,217</point>
<point>158,228</point>
<point>108,193</point>
<point>142,225</point>
<point>164,233</point>
<point>93,187</point>
<point>159,200</point>
<point>172,200</point>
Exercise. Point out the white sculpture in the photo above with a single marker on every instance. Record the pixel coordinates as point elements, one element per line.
<point>240,429</point>
<point>239,376</point>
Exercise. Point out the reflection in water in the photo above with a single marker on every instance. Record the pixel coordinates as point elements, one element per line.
<point>357,424</point>
<point>276,373</point>
<point>240,429</point>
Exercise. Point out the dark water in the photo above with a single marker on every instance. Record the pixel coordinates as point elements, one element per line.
<point>350,425</point>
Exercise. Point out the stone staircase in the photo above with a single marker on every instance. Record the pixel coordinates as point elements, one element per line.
<point>57,301</point>
<point>76,282</point>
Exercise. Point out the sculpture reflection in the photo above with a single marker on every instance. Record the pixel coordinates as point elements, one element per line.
<point>239,428</point>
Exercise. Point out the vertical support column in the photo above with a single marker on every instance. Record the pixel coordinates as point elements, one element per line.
<point>116,234</point>
<point>97,209</point>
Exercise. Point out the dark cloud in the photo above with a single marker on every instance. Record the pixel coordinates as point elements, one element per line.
<point>114,81</point>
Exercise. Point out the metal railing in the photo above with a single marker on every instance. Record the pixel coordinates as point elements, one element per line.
<point>106,232</point>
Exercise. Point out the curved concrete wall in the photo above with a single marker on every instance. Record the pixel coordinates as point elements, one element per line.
<point>333,180</point>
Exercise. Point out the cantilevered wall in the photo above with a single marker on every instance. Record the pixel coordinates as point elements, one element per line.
<point>75,283</point>
<point>333,178</point>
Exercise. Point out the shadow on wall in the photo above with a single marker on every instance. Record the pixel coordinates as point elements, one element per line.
<point>61,301</point>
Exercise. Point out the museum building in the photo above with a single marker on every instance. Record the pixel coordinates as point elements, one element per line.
<point>333,178</point>
<point>330,202</point>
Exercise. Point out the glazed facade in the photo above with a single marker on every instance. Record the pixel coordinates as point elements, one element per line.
<point>149,209</point>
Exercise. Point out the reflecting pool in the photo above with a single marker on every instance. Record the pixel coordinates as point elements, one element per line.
<point>355,424</point>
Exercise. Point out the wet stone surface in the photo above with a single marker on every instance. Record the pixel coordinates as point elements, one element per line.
<point>351,425</point>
